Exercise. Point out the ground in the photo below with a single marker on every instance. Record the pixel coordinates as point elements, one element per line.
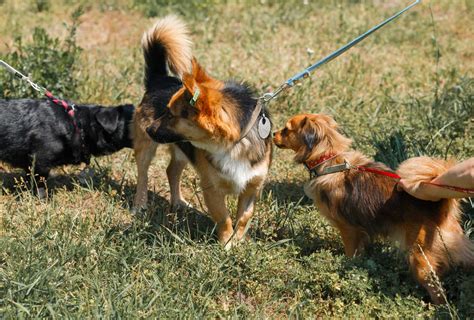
<point>407,90</point>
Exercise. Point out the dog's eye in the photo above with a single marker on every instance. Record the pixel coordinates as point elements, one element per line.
<point>284,131</point>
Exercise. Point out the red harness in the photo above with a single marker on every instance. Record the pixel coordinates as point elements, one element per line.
<point>312,165</point>
<point>70,110</point>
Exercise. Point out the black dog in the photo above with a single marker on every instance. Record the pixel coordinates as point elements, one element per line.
<point>39,135</point>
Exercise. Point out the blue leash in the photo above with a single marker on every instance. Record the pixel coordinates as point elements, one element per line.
<point>306,72</point>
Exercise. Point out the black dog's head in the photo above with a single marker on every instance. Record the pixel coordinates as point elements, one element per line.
<point>106,129</point>
<point>160,130</point>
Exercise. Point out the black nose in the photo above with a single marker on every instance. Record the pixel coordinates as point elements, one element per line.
<point>273,134</point>
<point>150,131</point>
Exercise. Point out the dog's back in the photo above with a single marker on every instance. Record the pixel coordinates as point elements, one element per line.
<point>26,127</point>
<point>38,134</point>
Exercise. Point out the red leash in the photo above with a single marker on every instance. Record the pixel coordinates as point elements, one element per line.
<point>458,189</point>
<point>380,172</point>
<point>312,165</point>
<point>397,177</point>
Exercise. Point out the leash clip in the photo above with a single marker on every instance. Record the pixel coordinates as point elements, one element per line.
<point>337,168</point>
<point>329,170</point>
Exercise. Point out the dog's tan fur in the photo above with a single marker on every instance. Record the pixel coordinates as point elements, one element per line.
<point>179,61</point>
<point>226,162</point>
<point>363,205</point>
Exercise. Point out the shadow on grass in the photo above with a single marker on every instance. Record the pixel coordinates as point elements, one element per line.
<point>189,222</point>
<point>287,191</point>
<point>186,223</point>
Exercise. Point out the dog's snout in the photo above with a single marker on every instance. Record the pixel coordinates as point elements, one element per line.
<point>150,131</point>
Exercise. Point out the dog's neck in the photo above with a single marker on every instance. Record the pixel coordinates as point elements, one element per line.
<point>316,162</point>
<point>330,155</point>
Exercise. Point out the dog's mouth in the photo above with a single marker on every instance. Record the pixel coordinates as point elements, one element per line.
<point>278,143</point>
<point>162,135</point>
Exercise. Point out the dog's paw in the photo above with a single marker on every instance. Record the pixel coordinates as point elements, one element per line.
<point>229,245</point>
<point>42,194</point>
<point>180,205</point>
<point>85,175</point>
<point>140,211</point>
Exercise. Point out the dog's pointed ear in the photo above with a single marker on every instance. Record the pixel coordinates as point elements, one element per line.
<point>188,82</point>
<point>309,133</point>
<point>108,118</point>
<point>199,74</point>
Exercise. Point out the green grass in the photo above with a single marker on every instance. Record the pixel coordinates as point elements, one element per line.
<point>405,91</point>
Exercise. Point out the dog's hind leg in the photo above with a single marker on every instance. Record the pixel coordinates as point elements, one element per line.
<point>425,264</point>
<point>425,271</point>
<point>174,171</point>
<point>145,150</point>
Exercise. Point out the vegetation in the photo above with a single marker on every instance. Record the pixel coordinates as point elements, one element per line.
<point>405,91</point>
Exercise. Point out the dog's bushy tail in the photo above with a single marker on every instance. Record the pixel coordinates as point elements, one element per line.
<point>422,169</point>
<point>167,43</point>
<point>451,241</point>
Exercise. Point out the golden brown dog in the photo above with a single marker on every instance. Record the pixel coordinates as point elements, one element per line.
<point>363,204</point>
<point>210,123</point>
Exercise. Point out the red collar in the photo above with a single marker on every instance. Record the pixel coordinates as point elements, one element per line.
<point>310,165</point>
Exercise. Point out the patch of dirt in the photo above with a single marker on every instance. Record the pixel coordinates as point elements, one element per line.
<point>111,28</point>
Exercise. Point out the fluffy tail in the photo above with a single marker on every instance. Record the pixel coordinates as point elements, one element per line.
<point>450,239</point>
<point>167,43</point>
<point>415,171</point>
<point>422,169</point>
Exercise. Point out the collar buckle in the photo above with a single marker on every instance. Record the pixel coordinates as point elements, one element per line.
<point>329,170</point>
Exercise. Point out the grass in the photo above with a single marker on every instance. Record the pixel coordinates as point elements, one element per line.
<point>405,91</point>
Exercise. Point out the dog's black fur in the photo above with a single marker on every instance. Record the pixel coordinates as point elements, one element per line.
<point>40,135</point>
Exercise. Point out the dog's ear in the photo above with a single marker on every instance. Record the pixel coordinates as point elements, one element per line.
<point>108,118</point>
<point>199,74</point>
<point>192,89</point>
<point>308,130</point>
<point>189,83</point>
<point>309,133</point>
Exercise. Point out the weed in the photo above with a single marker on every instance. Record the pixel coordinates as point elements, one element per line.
<point>48,61</point>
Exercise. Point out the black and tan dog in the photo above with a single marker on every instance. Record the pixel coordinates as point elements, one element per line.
<point>207,122</point>
<point>39,135</point>
<point>362,204</point>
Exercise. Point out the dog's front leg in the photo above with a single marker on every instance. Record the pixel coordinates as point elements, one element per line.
<point>215,202</point>
<point>39,175</point>
<point>145,150</point>
<point>354,239</point>
<point>246,207</point>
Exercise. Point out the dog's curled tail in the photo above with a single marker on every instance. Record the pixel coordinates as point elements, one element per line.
<point>422,169</point>
<point>415,171</point>
<point>451,238</point>
<point>167,43</point>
